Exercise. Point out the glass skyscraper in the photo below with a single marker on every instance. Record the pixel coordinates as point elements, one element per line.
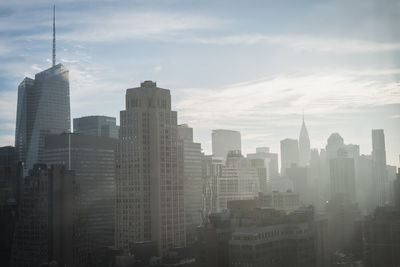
<point>43,108</point>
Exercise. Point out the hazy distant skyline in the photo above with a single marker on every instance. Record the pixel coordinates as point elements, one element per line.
<point>251,66</point>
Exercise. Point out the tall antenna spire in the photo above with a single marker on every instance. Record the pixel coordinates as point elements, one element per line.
<point>54,35</point>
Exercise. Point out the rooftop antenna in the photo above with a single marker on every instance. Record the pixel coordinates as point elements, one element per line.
<point>54,35</point>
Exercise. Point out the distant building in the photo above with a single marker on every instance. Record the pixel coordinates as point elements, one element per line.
<point>381,234</point>
<point>92,158</point>
<point>211,171</point>
<point>335,142</point>
<point>96,126</point>
<point>299,176</point>
<point>149,195</point>
<point>43,108</point>
<point>270,159</point>
<point>285,201</point>
<point>238,180</point>
<point>342,177</point>
<point>379,174</point>
<point>304,146</point>
<point>289,154</point>
<point>190,167</point>
<point>50,227</point>
<point>224,141</point>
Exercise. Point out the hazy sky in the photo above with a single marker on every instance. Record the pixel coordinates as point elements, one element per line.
<point>251,66</point>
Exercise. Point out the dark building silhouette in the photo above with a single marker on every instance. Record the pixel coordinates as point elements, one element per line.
<point>381,234</point>
<point>11,175</point>
<point>8,156</point>
<point>50,227</point>
<point>97,126</point>
<point>92,158</point>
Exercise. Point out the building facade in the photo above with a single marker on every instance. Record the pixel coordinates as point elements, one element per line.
<point>96,126</point>
<point>149,189</point>
<point>191,170</point>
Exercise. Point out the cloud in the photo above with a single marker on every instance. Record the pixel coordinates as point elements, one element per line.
<point>273,98</point>
<point>301,43</point>
<point>6,140</point>
<point>8,100</point>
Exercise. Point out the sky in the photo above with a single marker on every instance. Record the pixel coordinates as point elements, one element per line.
<point>251,66</point>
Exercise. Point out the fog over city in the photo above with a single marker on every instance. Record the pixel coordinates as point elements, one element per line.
<point>199,133</point>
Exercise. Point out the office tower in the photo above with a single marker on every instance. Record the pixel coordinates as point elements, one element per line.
<point>304,146</point>
<point>224,141</point>
<point>190,167</point>
<point>238,180</point>
<point>271,160</point>
<point>365,189</point>
<point>262,172</point>
<point>211,171</point>
<point>92,158</point>
<point>150,196</point>
<point>43,108</point>
<point>379,166</point>
<point>96,126</point>
<point>50,227</point>
<point>289,154</point>
<point>342,177</point>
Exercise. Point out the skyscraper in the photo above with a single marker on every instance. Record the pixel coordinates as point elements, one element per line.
<point>304,146</point>
<point>379,166</point>
<point>97,126</point>
<point>190,167</point>
<point>92,158</point>
<point>149,195</point>
<point>289,153</point>
<point>224,141</point>
<point>43,108</point>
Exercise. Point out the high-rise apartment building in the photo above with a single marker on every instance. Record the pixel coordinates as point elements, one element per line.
<point>304,146</point>
<point>96,126</point>
<point>92,158</point>
<point>43,108</point>
<point>190,167</point>
<point>149,195</point>
<point>379,166</point>
<point>224,141</point>
<point>289,154</point>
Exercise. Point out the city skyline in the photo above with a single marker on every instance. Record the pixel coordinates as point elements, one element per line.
<point>264,101</point>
